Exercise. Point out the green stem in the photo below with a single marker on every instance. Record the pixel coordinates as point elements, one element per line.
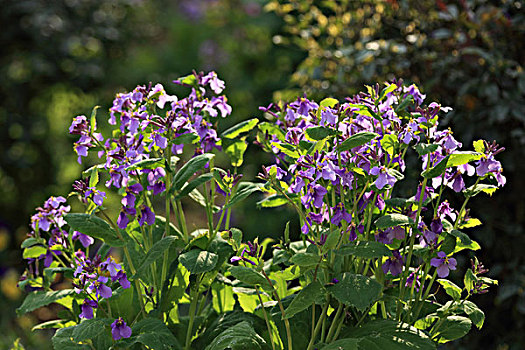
<point>318,326</point>
<point>270,332</point>
<point>193,309</point>
<point>281,307</point>
<point>333,326</point>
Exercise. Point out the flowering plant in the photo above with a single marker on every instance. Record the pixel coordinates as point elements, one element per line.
<point>368,268</point>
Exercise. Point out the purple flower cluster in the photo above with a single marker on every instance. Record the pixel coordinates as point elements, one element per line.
<point>150,121</point>
<point>92,277</point>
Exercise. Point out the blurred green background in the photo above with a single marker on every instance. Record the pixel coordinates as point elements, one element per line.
<point>60,58</point>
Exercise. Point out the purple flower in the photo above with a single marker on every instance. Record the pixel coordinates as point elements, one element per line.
<point>146,215</point>
<point>101,290</point>
<point>397,232</point>
<point>85,240</point>
<point>87,309</point>
<point>394,264</point>
<point>122,279</point>
<point>339,214</point>
<point>119,329</point>
<point>443,264</point>
<point>328,117</point>
<point>384,177</point>
<point>122,220</point>
<point>314,193</point>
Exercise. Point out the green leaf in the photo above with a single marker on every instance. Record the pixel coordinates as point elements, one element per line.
<point>34,252</point>
<point>235,149</point>
<point>152,163</point>
<point>365,249</point>
<point>437,169</point>
<point>356,140</point>
<point>452,328</point>
<point>459,158</point>
<point>243,191</point>
<point>190,80</point>
<point>241,336</point>
<point>249,276</point>
<point>389,143</point>
<point>328,102</point>
<point>392,220</point>
<point>386,334</point>
<point>152,333</point>
<point>425,148</point>
<point>469,279</point>
<point>331,240</point>
<point>272,201</point>
<point>476,189</point>
<point>356,290</point>
<point>312,293</point>
<point>95,227</point>
<point>387,90</point>
<point>474,313</point>
<point>289,150</point>
<point>464,242</point>
<point>35,300</point>
<point>154,254</point>
<point>305,259</point>
<point>191,167</point>
<point>31,241</point>
<point>479,146</point>
<point>319,132</point>
<point>450,288</point>
<point>240,128</point>
<point>190,186</point>
<point>90,329</point>
<point>222,298</point>
<point>62,340</point>
<point>346,344</point>
<point>271,129</point>
<point>93,119</point>
<point>199,261</point>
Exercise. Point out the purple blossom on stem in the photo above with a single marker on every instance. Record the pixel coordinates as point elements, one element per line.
<point>85,240</point>
<point>394,264</point>
<point>87,308</point>
<point>119,329</point>
<point>443,264</point>
<point>384,177</point>
<point>314,194</point>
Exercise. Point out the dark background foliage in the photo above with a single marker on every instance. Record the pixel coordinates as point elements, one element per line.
<point>61,58</point>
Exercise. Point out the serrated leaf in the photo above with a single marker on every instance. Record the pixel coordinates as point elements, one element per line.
<point>305,259</point>
<point>452,328</point>
<point>356,140</point>
<point>243,191</point>
<point>95,227</point>
<point>328,102</point>
<point>469,279</point>
<point>436,170</point>
<point>235,149</point>
<point>191,167</point>
<point>249,276</point>
<point>356,290</point>
<point>463,241</point>
<point>386,334</point>
<point>319,132</point>
<point>479,146</point>
<point>459,158</point>
<point>31,241</point>
<point>90,329</point>
<point>389,143</point>
<point>289,150</point>
<point>365,249</point>
<point>37,299</point>
<point>241,336</point>
<point>62,340</point>
<point>153,333</point>
<point>312,293</point>
<point>450,288</point>
<point>392,220</point>
<point>271,129</point>
<point>424,148</point>
<point>93,119</point>
<point>240,128</point>
<point>474,313</point>
<point>476,189</point>
<point>199,261</point>
<point>155,254</point>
